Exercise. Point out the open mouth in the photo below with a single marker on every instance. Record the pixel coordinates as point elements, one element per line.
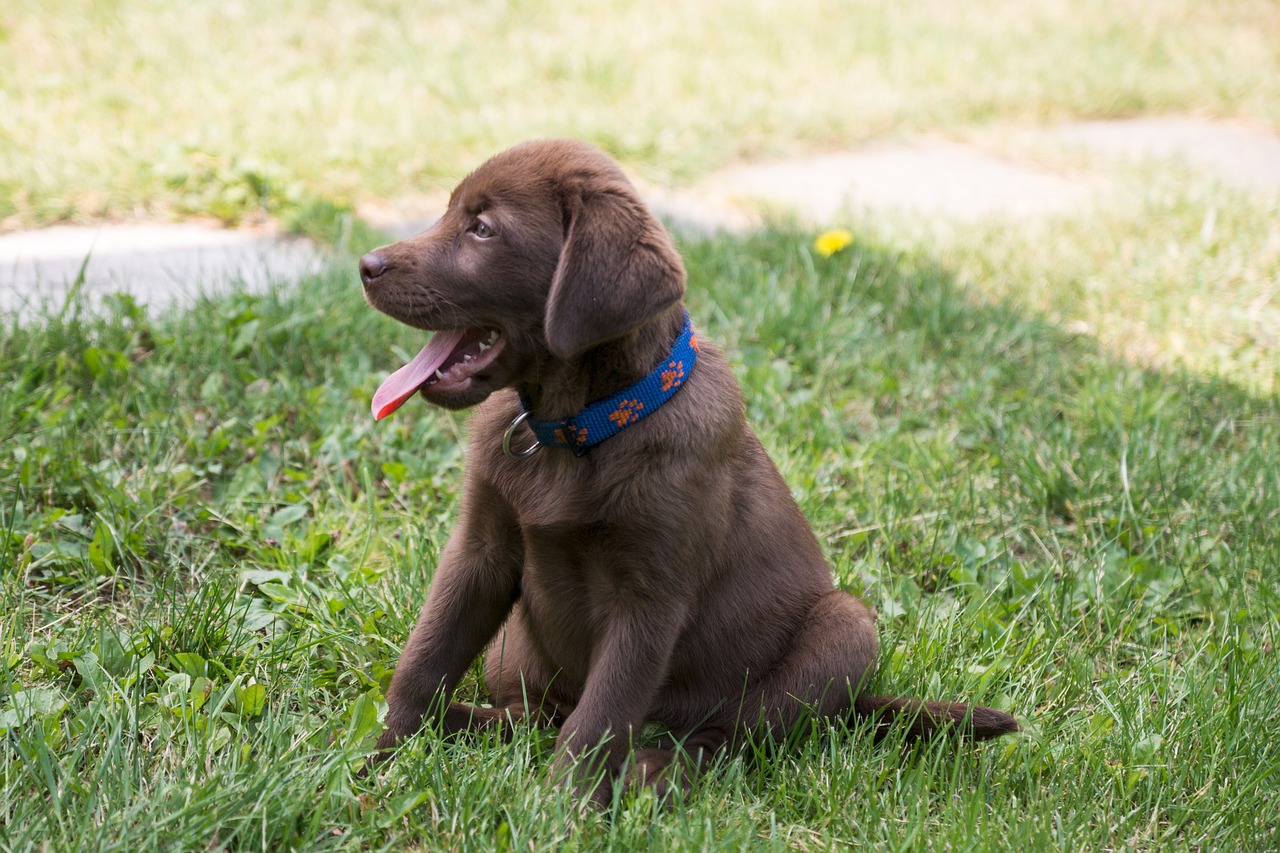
<point>448,362</point>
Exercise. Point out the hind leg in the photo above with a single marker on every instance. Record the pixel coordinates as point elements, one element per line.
<point>823,675</point>
<point>830,659</point>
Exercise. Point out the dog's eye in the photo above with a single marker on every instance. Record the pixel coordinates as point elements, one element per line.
<point>481,229</point>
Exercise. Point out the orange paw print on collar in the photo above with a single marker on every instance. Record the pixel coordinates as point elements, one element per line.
<point>673,375</point>
<point>627,411</point>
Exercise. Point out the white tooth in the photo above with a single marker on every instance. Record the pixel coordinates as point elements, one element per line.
<point>468,357</point>
<point>493,336</point>
<point>439,374</point>
<point>483,346</point>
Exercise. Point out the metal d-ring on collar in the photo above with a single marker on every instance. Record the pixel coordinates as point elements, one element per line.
<point>506,440</point>
<point>608,416</point>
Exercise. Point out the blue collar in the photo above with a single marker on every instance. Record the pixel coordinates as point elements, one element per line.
<point>608,417</point>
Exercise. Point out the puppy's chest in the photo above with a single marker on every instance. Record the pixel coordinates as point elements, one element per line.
<point>561,491</point>
<point>576,578</point>
<point>581,528</point>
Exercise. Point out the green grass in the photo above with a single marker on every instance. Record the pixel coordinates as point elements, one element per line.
<point>1047,451</point>
<point>211,556</point>
<point>1164,268</point>
<point>232,109</point>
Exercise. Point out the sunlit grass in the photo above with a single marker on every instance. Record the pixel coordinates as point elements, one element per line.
<point>1164,268</point>
<point>225,108</point>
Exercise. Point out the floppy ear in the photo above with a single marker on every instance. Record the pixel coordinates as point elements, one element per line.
<point>618,269</point>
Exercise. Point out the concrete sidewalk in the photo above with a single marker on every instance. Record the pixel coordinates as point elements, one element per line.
<point>159,265</point>
<point>952,181</point>
<point>166,265</point>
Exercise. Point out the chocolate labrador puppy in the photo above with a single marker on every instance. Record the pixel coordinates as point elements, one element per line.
<point>626,549</point>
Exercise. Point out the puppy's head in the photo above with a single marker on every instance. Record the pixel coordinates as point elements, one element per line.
<point>545,251</point>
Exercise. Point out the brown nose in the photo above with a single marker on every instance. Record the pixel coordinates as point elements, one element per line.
<point>371,266</point>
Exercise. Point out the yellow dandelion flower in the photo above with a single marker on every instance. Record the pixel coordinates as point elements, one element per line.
<point>830,242</point>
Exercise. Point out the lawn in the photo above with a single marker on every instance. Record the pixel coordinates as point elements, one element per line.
<point>213,555</point>
<point>1047,451</point>
<point>223,108</point>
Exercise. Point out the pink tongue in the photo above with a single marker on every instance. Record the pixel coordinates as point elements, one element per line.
<point>406,381</point>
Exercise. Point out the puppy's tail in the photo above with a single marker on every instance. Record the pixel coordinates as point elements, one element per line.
<point>929,719</point>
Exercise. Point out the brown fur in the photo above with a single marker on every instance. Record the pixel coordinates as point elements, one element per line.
<point>665,576</point>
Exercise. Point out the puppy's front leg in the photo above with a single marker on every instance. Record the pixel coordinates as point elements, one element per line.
<point>626,674</point>
<point>476,583</point>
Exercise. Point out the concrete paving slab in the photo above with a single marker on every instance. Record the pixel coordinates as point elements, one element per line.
<point>1241,154</point>
<point>700,212</point>
<point>404,217</point>
<point>928,178</point>
<point>932,179</point>
<point>159,265</point>
<point>942,179</point>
